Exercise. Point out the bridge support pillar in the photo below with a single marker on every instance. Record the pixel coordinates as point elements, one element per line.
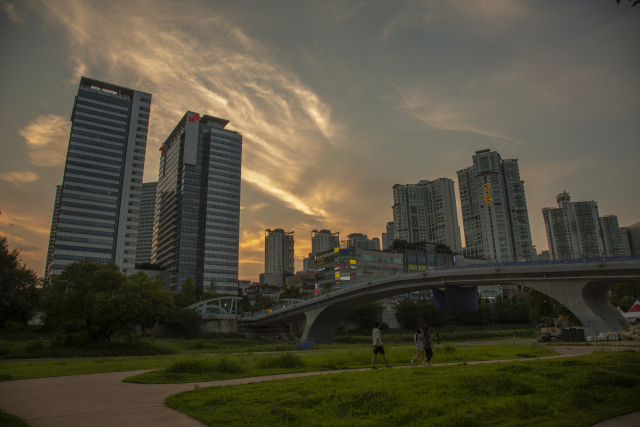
<point>588,301</point>
<point>322,323</point>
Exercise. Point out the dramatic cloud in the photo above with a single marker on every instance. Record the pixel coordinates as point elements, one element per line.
<point>47,138</point>
<point>10,9</point>
<point>18,177</point>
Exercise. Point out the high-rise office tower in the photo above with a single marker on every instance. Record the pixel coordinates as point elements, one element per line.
<point>100,200</point>
<point>196,222</point>
<point>388,237</point>
<point>573,229</point>
<point>494,209</point>
<point>54,225</point>
<point>145,224</point>
<point>324,240</point>
<point>426,212</point>
<point>612,236</point>
<point>278,251</point>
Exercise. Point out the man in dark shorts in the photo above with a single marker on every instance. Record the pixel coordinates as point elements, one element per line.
<point>428,352</point>
<point>377,347</point>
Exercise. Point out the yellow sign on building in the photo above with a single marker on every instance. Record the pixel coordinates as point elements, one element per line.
<point>487,194</point>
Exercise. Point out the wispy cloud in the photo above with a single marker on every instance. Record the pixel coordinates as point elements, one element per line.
<point>255,207</point>
<point>47,138</point>
<point>18,177</point>
<point>10,9</point>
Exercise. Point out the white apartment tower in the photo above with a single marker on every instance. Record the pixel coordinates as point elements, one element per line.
<point>573,229</point>
<point>426,212</point>
<point>324,240</point>
<point>612,237</point>
<point>494,209</point>
<point>278,251</point>
<point>101,188</point>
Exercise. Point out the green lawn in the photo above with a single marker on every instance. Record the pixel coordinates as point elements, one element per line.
<point>212,368</point>
<point>580,391</point>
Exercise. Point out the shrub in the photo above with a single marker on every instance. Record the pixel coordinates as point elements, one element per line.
<point>286,361</point>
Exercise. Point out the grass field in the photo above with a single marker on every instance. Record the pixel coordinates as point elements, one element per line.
<point>580,391</point>
<point>212,368</point>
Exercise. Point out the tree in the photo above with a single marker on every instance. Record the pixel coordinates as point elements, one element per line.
<point>366,315</point>
<point>103,298</point>
<point>291,292</point>
<point>263,303</point>
<point>624,295</point>
<point>182,322</point>
<point>399,244</point>
<point>186,295</point>
<point>409,313</point>
<point>19,286</point>
<point>541,305</point>
<point>441,247</point>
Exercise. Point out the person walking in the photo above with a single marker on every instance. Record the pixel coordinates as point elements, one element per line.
<point>438,338</point>
<point>377,347</point>
<point>428,352</point>
<point>417,339</point>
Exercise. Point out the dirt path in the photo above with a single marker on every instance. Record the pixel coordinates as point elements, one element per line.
<point>104,400</point>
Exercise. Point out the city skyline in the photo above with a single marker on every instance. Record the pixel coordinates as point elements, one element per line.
<point>337,103</point>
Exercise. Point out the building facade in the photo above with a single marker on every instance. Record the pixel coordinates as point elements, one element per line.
<point>342,268</point>
<point>361,241</point>
<point>573,229</point>
<point>197,213</point>
<point>324,240</point>
<point>278,251</point>
<point>54,225</point>
<point>426,212</point>
<point>494,209</point>
<point>101,188</point>
<point>632,236</point>
<point>612,237</point>
<point>388,237</point>
<point>145,224</point>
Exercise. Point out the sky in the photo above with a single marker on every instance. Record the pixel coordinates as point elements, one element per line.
<point>337,101</point>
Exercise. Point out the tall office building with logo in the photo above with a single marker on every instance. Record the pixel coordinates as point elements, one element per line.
<point>100,198</point>
<point>426,212</point>
<point>494,209</point>
<point>197,217</point>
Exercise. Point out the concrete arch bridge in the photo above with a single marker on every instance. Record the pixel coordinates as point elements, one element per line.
<point>581,287</point>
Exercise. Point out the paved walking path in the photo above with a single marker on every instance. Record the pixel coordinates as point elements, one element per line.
<point>104,400</point>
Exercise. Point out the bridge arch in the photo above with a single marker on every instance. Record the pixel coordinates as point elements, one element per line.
<point>582,288</point>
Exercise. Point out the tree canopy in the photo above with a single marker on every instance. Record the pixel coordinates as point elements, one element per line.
<point>624,295</point>
<point>541,305</point>
<point>186,296</point>
<point>263,303</point>
<point>291,292</point>
<point>103,298</point>
<point>19,287</point>
<point>366,315</point>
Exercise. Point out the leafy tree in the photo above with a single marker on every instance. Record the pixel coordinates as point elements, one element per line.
<point>291,292</point>
<point>263,303</point>
<point>182,322</point>
<point>409,313</point>
<point>399,244</point>
<point>19,291</point>
<point>244,304</point>
<point>103,298</point>
<point>624,295</point>
<point>441,247</point>
<point>366,315</point>
<point>186,295</point>
<point>541,305</point>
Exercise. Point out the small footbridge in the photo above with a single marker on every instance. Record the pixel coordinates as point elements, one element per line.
<point>580,285</point>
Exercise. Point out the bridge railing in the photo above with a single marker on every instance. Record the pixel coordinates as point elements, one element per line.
<point>489,263</point>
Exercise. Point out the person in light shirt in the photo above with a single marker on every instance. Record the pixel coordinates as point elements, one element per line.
<point>377,347</point>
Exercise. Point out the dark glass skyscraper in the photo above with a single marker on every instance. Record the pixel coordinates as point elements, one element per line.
<point>100,199</point>
<point>196,224</point>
